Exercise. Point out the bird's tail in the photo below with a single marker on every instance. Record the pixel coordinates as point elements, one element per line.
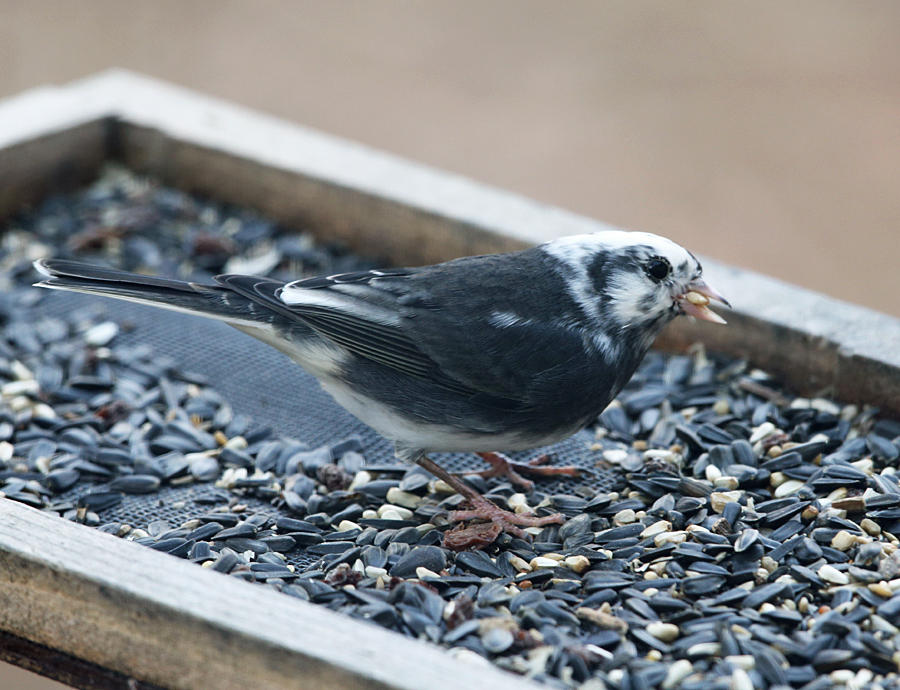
<point>213,301</point>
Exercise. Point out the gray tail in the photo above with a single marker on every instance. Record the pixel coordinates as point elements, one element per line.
<point>213,301</point>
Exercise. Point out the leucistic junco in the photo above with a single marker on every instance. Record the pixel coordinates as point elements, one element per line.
<point>484,353</point>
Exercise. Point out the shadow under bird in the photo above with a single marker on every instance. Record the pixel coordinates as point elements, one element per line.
<point>483,353</point>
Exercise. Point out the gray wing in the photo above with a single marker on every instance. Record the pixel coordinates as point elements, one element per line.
<point>418,323</point>
<point>353,311</point>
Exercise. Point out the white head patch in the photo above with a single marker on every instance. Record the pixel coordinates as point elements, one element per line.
<point>629,296</point>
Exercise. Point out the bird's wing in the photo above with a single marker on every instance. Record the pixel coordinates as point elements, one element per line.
<point>360,311</point>
<point>400,318</point>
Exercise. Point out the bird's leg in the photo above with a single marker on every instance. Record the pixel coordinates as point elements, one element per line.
<point>481,508</point>
<point>504,466</point>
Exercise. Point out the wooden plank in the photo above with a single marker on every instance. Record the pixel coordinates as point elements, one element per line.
<point>55,162</point>
<point>64,668</point>
<point>172,623</point>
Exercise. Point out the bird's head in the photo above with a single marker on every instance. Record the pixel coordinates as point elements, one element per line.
<point>633,281</point>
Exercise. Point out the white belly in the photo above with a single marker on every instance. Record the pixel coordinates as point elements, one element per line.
<point>428,437</point>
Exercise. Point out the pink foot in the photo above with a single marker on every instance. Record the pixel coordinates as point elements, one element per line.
<point>483,509</point>
<point>503,466</point>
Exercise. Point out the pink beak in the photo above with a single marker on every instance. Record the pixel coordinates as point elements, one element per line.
<point>695,301</point>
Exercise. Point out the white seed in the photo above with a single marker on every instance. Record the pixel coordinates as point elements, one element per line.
<point>662,454</point>
<point>43,411</point>
<point>762,431</point>
<point>624,517</point>
<point>726,482</point>
<point>577,563</point>
<point>866,465</point>
<point>101,334</point>
<point>744,661</point>
<point>670,538</point>
<point>372,571</point>
<point>791,486</point>
<point>721,406</point>
<point>831,574</point>
<point>615,455</point>
<point>841,676</point>
<point>696,298</point>
<point>24,387</point>
<point>347,525</point>
<point>862,678</point>
<point>389,512</point>
<point>678,671</point>
<point>520,564</point>
<point>769,564</point>
<point>740,680</point>
<point>712,473</point>
<point>422,572</point>
<point>6,451</point>
<point>360,479</point>
<point>542,562</point>
<point>870,526</point>
<point>517,501</point>
<point>843,540</point>
<point>663,631</point>
<point>704,649</point>
<point>656,528</point>
<point>879,623</point>
<point>718,499</point>
<point>20,403</point>
<point>236,443</point>
<point>823,405</point>
<point>439,486</point>
<point>20,371</point>
<point>403,498</point>
<point>882,589</point>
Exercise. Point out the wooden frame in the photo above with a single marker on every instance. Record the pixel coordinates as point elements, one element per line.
<point>162,621</point>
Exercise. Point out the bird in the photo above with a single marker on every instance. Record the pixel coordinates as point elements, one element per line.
<point>486,354</point>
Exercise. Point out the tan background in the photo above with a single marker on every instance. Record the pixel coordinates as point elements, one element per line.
<point>764,133</point>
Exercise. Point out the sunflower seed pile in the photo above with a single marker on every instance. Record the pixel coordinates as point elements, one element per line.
<point>749,538</point>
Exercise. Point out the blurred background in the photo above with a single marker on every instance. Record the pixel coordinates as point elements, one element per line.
<point>763,133</point>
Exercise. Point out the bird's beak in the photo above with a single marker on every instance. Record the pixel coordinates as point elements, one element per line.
<point>695,301</point>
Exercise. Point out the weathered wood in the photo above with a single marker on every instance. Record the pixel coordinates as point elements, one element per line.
<point>56,162</point>
<point>166,621</point>
<point>64,668</point>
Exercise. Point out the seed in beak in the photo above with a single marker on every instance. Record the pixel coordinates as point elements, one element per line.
<point>696,298</point>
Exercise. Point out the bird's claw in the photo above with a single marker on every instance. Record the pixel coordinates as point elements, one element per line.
<point>504,466</point>
<point>505,521</point>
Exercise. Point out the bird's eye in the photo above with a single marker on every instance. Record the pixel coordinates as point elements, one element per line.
<point>658,268</point>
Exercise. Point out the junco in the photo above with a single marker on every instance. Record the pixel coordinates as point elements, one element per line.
<point>497,352</point>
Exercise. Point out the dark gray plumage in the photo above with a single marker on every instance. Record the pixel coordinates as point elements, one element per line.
<point>504,352</point>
